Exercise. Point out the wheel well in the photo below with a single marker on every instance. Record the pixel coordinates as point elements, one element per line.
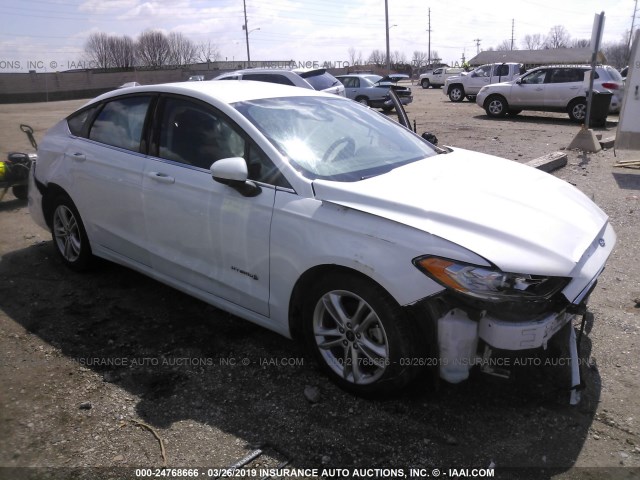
<point>574,100</point>
<point>302,286</point>
<point>495,95</point>
<point>361,97</point>
<point>49,195</point>
<point>455,85</point>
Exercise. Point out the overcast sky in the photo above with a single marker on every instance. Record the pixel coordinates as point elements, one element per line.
<point>50,34</point>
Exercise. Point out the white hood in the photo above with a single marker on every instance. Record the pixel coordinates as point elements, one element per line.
<point>521,219</point>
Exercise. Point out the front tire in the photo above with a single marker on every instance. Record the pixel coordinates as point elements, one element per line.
<point>425,83</point>
<point>69,235</point>
<point>496,106</point>
<point>577,110</point>
<point>359,335</point>
<point>456,93</point>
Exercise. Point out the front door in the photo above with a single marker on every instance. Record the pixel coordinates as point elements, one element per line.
<point>203,234</point>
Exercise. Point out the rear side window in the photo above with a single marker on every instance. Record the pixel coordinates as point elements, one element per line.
<point>120,123</point>
<point>267,77</point>
<point>502,70</point>
<point>566,75</point>
<point>79,122</point>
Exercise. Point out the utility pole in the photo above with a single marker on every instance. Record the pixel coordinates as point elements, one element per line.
<point>513,28</point>
<point>429,43</point>
<point>477,40</point>
<point>246,32</point>
<point>633,21</point>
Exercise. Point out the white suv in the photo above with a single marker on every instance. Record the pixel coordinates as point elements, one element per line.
<point>551,89</point>
<point>314,79</point>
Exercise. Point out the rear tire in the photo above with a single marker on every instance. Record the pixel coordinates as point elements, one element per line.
<point>363,100</point>
<point>358,334</point>
<point>21,192</point>
<point>69,235</point>
<point>577,110</point>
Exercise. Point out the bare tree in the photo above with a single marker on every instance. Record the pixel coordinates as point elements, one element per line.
<point>121,52</point>
<point>419,59</point>
<point>617,53</point>
<point>97,49</point>
<point>533,42</point>
<point>208,52</point>
<point>398,58</point>
<point>504,46</point>
<point>558,37</point>
<point>355,58</point>
<point>182,51</point>
<point>580,43</point>
<point>378,58</point>
<point>153,49</point>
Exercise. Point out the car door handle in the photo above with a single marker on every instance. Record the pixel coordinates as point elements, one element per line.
<point>161,177</point>
<point>573,88</point>
<point>79,157</point>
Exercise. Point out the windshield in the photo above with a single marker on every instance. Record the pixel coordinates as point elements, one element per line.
<point>334,139</point>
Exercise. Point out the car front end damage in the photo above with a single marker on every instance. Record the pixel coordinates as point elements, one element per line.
<point>485,315</point>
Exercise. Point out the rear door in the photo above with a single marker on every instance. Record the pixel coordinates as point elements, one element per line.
<point>107,177</point>
<point>563,85</point>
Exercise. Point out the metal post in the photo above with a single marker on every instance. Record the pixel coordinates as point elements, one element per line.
<point>594,58</point>
<point>386,23</point>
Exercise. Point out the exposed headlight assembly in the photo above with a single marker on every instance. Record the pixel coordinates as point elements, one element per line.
<point>489,284</point>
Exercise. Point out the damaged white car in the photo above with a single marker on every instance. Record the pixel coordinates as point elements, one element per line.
<point>322,220</point>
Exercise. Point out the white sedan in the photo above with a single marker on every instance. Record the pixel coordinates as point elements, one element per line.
<point>322,220</point>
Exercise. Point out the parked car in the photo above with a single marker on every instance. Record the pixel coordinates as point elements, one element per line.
<point>373,90</point>
<point>436,78</point>
<point>315,79</point>
<point>322,220</point>
<point>551,89</point>
<point>468,84</point>
<point>196,78</point>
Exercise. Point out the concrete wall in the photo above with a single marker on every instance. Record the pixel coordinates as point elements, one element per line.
<point>43,87</point>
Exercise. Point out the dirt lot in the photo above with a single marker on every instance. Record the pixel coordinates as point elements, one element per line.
<point>95,368</point>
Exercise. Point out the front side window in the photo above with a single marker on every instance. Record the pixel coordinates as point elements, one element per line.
<point>120,123</point>
<point>334,139</point>
<point>193,134</point>
<point>534,78</point>
<point>484,71</point>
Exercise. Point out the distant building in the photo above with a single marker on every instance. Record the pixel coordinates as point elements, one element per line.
<point>534,58</point>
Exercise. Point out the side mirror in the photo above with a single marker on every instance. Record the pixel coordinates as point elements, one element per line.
<point>518,81</point>
<point>233,172</point>
<point>430,137</point>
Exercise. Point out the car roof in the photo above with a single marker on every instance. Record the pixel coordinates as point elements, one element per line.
<point>230,91</point>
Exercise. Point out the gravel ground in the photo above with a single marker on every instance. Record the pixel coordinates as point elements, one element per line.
<point>96,368</point>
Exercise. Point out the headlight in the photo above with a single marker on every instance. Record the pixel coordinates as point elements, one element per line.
<point>486,283</point>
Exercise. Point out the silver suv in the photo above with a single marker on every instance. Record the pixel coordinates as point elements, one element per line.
<point>551,89</point>
<point>314,79</point>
